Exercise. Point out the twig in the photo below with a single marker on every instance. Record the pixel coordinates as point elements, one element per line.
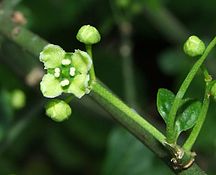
<point>166,23</point>
<point>126,49</point>
<point>20,125</point>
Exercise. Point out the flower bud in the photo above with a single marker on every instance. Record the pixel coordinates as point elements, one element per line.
<point>88,35</point>
<point>123,3</point>
<point>194,46</point>
<point>58,110</point>
<point>18,99</point>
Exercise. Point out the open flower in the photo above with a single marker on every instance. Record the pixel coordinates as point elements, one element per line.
<point>66,72</point>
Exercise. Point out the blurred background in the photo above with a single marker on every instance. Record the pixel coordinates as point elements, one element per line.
<point>140,51</point>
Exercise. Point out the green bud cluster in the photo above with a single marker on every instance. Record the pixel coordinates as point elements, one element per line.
<point>66,72</point>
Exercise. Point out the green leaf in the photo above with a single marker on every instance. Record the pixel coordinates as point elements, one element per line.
<point>128,156</point>
<point>173,62</point>
<point>165,100</point>
<point>188,117</point>
<point>64,152</point>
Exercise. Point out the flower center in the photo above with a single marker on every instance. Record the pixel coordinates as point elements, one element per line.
<point>65,73</point>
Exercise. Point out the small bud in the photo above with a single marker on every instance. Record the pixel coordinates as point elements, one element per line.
<point>58,110</point>
<point>123,3</point>
<point>213,91</point>
<point>194,46</point>
<point>18,99</point>
<point>88,35</point>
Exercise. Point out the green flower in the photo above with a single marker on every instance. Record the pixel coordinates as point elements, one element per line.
<point>66,72</point>
<point>58,110</point>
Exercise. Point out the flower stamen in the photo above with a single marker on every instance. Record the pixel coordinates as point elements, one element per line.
<point>57,72</point>
<point>64,82</point>
<point>72,71</point>
<point>66,62</point>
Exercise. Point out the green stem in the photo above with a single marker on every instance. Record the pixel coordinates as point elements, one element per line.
<point>9,5</point>
<point>196,129</point>
<point>126,47</point>
<point>92,72</point>
<point>19,126</point>
<point>89,50</point>
<point>206,74</point>
<point>68,99</point>
<point>136,125</point>
<point>182,91</point>
<point>164,21</point>
<point>124,114</point>
<point>21,36</point>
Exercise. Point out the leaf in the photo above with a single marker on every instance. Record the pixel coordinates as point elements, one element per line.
<point>128,156</point>
<point>173,62</point>
<point>188,117</point>
<point>165,100</point>
<point>64,152</point>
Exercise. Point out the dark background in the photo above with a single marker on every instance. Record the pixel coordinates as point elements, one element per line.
<point>90,142</point>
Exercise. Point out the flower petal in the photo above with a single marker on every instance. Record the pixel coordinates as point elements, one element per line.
<point>52,56</point>
<point>79,85</point>
<point>50,86</point>
<point>81,61</point>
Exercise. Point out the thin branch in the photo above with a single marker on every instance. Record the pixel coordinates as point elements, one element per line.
<point>8,6</point>
<point>16,129</point>
<point>166,23</point>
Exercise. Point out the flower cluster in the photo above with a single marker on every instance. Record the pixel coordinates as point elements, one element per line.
<point>66,72</point>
